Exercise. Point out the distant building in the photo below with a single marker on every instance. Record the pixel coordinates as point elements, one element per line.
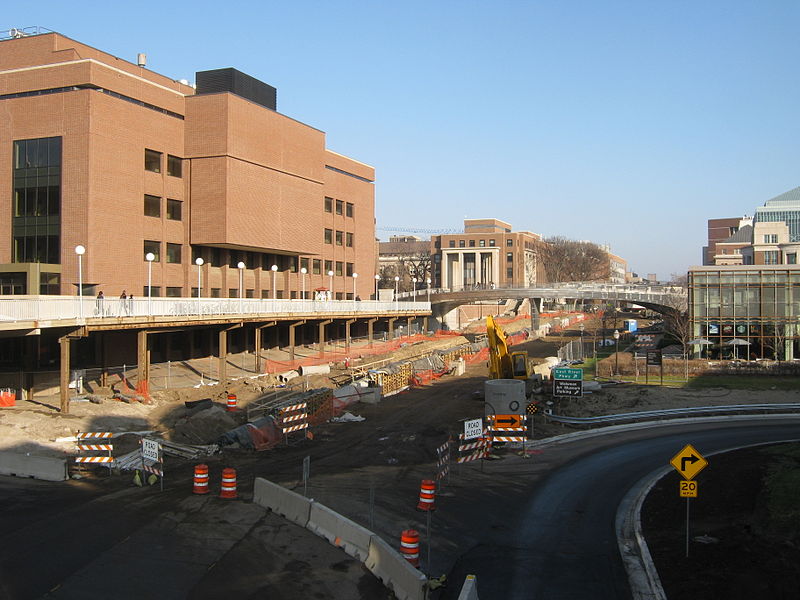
<point>784,208</point>
<point>720,230</point>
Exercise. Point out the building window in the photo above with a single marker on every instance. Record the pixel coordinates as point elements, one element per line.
<point>349,209</point>
<point>36,223</point>
<point>771,257</point>
<point>510,273</point>
<point>482,243</point>
<point>174,166</point>
<point>349,269</point>
<point>328,266</point>
<point>509,242</point>
<point>155,291</point>
<point>461,244</point>
<point>49,283</point>
<point>329,236</point>
<point>174,292</point>
<point>173,253</point>
<point>349,240</point>
<point>152,161</point>
<point>509,257</point>
<point>339,268</point>
<point>152,206</point>
<point>154,247</point>
<point>472,243</point>
<point>452,243</point>
<point>316,266</point>
<point>491,243</point>
<point>328,204</point>
<point>339,205</point>
<point>174,210</point>
<point>339,238</point>
<point>791,259</point>
<point>304,264</point>
<point>771,238</point>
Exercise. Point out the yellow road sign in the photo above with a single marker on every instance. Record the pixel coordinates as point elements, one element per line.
<point>687,489</point>
<point>688,462</point>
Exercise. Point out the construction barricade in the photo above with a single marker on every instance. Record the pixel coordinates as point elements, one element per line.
<point>507,428</point>
<point>293,418</point>
<point>228,486</point>
<point>200,482</point>
<point>8,397</point>
<point>87,442</point>
<point>469,450</point>
<point>443,461</point>
<point>427,495</point>
<point>409,546</point>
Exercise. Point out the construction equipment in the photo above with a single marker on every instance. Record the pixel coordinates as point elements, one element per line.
<point>502,363</point>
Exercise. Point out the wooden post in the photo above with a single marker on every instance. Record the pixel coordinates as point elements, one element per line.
<point>64,342</point>
<point>143,360</point>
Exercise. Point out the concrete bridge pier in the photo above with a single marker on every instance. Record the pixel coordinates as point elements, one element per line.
<point>257,343</point>
<point>370,328</point>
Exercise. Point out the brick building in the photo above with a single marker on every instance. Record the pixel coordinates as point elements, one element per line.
<point>103,153</point>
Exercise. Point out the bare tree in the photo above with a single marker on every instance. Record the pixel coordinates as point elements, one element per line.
<point>676,318</point>
<point>570,260</point>
<point>418,265</point>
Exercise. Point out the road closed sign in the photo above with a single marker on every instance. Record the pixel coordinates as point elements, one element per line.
<point>150,449</point>
<point>473,429</point>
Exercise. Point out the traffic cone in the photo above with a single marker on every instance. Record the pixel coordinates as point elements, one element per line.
<point>228,488</point>
<point>200,479</point>
<point>409,546</point>
<point>427,495</point>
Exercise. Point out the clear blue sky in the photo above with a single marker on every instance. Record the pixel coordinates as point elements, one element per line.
<point>624,123</point>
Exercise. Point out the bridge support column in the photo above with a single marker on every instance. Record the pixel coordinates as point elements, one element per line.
<point>408,325</point>
<point>292,338</point>
<point>536,308</point>
<point>391,327</point>
<point>347,324</point>
<point>65,345</point>
<point>322,325</point>
<point>142,362</point>
<point>370,324</point>
<point>257,344</point>
<point>223,352</point>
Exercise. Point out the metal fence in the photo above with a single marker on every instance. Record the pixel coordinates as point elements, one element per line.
<point>576,350</point>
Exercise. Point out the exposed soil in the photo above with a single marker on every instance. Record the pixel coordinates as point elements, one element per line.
<point>752,546</point>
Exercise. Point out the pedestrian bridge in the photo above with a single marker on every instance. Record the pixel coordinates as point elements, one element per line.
<point>655,297</point>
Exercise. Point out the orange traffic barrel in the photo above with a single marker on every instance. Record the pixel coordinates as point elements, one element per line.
<point>427,495</point>
<point>409,546</point>
<point>200,479</point>
<point>228,489</point>
<point>231,403</point>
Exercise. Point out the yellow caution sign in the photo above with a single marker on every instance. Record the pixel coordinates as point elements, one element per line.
<point>688,489</point>
<point>688,462</point>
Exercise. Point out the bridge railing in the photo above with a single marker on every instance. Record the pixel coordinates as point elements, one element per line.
<point>653,291</point>
<point>57,308</point>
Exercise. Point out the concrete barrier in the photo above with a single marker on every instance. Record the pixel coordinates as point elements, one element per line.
<point>47,468</point>
<point>470,589</point>
<point>340,531</point>
<point>278,499</point>
<point>388,565</point>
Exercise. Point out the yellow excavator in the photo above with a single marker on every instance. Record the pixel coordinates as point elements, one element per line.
<point>502,363</point>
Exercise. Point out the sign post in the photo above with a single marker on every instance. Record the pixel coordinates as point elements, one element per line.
<point>152,459</point>
<point>567,382</point>
<point>688,462</point>
<point>654,359</point>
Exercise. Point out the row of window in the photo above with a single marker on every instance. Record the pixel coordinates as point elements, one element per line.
<point>342,208</point>
<point>153,247</point>
<point>343,238</point>
<point>771,238</point>
<point>481,243</point>
<point>152,207</point>
<point>154,158</point>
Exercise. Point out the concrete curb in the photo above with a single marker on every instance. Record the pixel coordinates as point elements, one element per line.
<point>388,565</point>
<point>288,504</point>
<point>47,468</point>
<point>340,531</point>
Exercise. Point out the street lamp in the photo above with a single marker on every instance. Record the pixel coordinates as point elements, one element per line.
<point>428,281</point>
<point>616,351</point>
<point>414,283</point>
<point>581,327</point>
<point>199,262</point>
<point>240,265</point>
<point>274,269</point>
<point>150,257</point>
<point>330,285</point>
<point>377,279</point>
<point>303,272</point>
<point>396,281</point>
<point>80,251</point>
<point>355,277</point>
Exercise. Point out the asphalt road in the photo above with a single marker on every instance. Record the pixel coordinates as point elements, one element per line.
<point>565,544</point>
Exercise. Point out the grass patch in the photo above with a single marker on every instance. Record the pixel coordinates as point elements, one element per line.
<point>782,488</point>
<point>742,382</point>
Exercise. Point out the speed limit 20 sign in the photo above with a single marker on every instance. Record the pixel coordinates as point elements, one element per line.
<point>688,488</point>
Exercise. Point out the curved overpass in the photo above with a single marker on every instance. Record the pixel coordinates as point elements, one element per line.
<point>655,297</point>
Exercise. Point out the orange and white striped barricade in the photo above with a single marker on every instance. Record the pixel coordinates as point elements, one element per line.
<point>474,449</point>
<point>293,418</point>
<point>409,546</point>
<point>507,428</point>
<point>153,458</point>
<point>87,442</point>
<point>443,461</point>
<point>228,487</point>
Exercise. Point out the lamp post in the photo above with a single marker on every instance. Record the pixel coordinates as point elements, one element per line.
<point>199,262</point>
<point>80,251</point>
<point>355,277</point>
<point>428,281</point>
<point>150,257</point>
<point>616,351</point>
<point>240,265</point>
<point>274,269</point>
<point>581,327</point>
<point>396,282</point>
<point>330,284</point>
<point>414,283</point>
<point>377,279</point>
<point>303,272</point>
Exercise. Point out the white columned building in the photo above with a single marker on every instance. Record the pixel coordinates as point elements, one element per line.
<point>470,267</point>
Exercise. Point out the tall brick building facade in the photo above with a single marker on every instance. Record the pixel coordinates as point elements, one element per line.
<point>102,153</point>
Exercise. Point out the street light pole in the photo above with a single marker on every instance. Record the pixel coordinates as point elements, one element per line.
<point>355,277</point>
<point>396,282</point>
<point>241,267</point>
<point>377,279</point>
<point>150,257</point>
<point>428,280</point>
<point>616,351</point>
<point>414,284</point>
<point>199,262</point>
<point>303,272</point>
<point>274,269</point>
<point>330,284</point>
<point>80,250</point>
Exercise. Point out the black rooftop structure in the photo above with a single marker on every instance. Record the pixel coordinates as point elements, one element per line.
<point>236,82</point>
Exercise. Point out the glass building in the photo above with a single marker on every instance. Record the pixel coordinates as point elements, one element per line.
<point>758,305</point>
<point>784,208</point>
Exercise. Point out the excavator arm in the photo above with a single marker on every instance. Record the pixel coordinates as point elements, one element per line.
<point>502,363</point>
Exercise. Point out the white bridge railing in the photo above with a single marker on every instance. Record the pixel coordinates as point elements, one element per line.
<point>15,309</point>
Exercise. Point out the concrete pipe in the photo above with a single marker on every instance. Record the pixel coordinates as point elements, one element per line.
<point>287,376</point>
<point>315,370</point>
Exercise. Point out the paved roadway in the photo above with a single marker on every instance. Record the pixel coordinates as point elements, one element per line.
<point>566,546</point>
